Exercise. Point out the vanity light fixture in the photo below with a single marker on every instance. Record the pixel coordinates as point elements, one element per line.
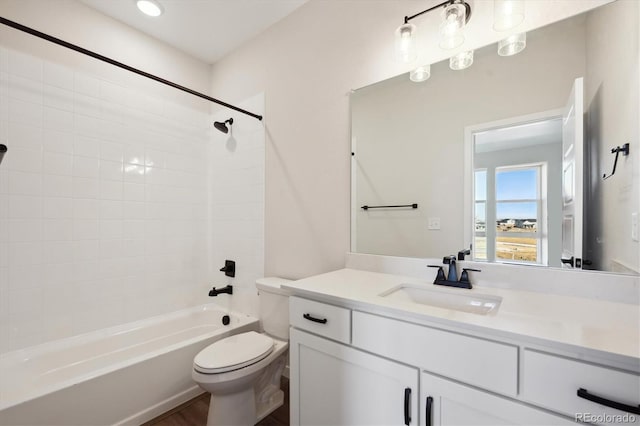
<point>461,61</point>
<point>150,7</point>
<point>420,74</point>
<point>507,14</point>
<point>512,45</point>
<point>455,15</point>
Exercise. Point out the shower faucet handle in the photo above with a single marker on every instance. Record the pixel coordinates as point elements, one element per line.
<point>229,268</point>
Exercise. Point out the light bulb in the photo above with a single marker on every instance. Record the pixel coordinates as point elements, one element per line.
<point>461,61</point>
<point>507,14</point>
<point>405,45</point>
<point>420,74</point>
<point>150,7</point>
<point>512,45</point>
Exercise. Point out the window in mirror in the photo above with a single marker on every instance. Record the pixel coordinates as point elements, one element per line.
<point>518,207</point>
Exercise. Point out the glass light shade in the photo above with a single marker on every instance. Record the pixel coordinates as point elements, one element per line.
<point>454,19</point>
<point>405,44</point>
<point>420,74</point>
<point>461,61</point>
<point>507,14</point>
<point>150,7</point>
<point>512,45</point>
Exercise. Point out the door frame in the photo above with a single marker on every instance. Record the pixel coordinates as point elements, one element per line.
<point>469,131</point>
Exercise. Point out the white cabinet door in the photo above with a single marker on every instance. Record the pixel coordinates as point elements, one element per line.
<point>333,384</point>
<point>447,403</point>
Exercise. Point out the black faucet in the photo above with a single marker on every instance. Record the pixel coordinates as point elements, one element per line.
<point>214,292</point>
<point>452,275</point>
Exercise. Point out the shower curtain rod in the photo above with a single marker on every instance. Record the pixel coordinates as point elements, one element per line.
<point>102,58</point>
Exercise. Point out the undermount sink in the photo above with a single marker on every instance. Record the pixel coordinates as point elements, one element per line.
<point>465,301</point>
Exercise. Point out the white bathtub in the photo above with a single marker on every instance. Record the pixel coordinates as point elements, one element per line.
<point>126,374</point>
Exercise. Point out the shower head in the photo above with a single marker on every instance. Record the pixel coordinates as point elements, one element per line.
<point>222,126</point>
<point>3,149</point>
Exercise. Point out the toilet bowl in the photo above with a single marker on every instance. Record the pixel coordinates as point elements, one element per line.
<point>242,372</point>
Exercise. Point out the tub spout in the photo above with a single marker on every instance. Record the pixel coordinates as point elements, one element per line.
<point>214,292</point>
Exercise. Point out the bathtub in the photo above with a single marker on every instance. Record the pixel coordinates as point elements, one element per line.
<point>126,374</point>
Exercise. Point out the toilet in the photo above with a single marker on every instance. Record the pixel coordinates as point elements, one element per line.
<point>242,372</point>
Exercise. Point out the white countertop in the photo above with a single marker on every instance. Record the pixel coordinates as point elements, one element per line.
<point>610,329</point>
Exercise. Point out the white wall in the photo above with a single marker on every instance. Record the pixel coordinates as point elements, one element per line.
<point>612,88</point>
<point>307,64</point>
<point>410,137</point>
<point>103,192</point>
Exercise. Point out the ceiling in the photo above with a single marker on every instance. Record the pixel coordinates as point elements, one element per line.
<point>206,29</point>
<point>529,134</point>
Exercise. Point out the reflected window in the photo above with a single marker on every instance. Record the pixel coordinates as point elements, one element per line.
<point>508,215</point>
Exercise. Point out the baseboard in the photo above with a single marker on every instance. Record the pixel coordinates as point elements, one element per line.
<point>162,407</point>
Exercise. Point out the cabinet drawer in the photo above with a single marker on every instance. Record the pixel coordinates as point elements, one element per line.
<point>553,382</point>
<point>486,364</point>
<point>319,318</point>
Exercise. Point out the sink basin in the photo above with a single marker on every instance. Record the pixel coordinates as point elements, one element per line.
<point>465,300</point>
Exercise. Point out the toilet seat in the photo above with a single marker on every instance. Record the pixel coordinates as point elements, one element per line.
<point>233,353</point>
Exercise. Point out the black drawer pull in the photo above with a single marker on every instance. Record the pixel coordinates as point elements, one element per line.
<point>407,407</point>
<point>583,393</point>
<point>310,318</point>
<point>428,411</point>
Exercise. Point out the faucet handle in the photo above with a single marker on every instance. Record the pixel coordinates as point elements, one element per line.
<point>440,274</point>
<point>464,277</point>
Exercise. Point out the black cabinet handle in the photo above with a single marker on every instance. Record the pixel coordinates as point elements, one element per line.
<point>583,393</point>
<point>310,318</point>
<point>428,405</point>
<point>407,407</point>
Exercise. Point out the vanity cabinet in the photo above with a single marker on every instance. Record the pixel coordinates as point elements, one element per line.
<point>334,384</point>
<point>357,368</point>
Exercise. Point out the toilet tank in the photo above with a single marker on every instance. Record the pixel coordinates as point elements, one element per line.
<point>274,306</point>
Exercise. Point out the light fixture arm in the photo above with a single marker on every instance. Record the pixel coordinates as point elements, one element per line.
<point>443,4</point>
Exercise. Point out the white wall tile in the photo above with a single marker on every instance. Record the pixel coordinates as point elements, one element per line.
<point>56,97</point>
<point>86,229</point>
<point>57,119</point>
<point>86,167</point>
<point>57,229</point>
<point>25,207</point>
<point>21,183</point>
<point>25,89</point>
<point>57,163</point>
<point>57,75</point>
<point>26,66</point>
<point>24,136</point>
<point>25,230</point>
<point>98,201</point>
<point>25,112</point>
<point>24,160</point>
<point>86,146</point>
<point>57,186</point>
<point>57,208</point>
<point>58,141</point>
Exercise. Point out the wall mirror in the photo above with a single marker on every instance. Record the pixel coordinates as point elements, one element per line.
<point>508,155</point>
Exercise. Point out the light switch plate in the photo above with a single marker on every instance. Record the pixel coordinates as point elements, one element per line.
<point>433,223</point>
<point>634,226</point>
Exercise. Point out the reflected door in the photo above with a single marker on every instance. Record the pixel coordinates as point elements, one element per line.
<point>572,159</point>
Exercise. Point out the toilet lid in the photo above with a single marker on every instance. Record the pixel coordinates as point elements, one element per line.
<point>233,352</point>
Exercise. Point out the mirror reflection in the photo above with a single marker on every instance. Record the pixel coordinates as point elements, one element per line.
<point>508,156</point>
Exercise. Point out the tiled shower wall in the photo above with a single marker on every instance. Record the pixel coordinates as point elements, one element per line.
<point>103,202</point>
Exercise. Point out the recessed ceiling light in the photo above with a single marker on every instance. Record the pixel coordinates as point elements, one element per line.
<point>150,7</point>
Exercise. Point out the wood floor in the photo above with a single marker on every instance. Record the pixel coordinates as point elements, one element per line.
<point>194,412</point>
